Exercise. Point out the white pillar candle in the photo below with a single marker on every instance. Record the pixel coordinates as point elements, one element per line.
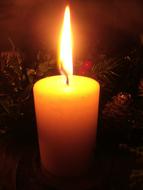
<point>67,121</point>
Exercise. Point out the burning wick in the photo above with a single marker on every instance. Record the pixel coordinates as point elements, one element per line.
<point>65,73</point>
<point>67,80</point>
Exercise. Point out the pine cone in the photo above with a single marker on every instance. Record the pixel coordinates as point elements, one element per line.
<point>118,109</point>
<point>116,118</point>
<point>141,88</point>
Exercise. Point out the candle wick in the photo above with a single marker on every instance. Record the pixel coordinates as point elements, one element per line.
<point>65,73</point>
<point>67,80</point>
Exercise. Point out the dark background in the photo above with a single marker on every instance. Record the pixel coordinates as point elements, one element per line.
<point>107,25</point>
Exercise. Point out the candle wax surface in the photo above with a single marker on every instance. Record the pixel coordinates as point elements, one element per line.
<point>57,85</point>
<point>66,121</point>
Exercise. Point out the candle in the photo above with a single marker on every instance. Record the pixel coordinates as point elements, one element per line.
<point>66,112</point>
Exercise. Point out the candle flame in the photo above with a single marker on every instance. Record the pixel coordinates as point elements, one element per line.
<point>65,58</point>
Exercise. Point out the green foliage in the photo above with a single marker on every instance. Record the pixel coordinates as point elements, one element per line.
<point>105,71</point>
<point>16,84</point>
<point>45,64</point>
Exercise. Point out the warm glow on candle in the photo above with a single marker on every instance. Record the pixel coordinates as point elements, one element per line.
<point>65,57</point>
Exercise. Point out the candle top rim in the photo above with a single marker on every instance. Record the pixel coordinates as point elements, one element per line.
<point>56,85</point>
<point>71,76</point>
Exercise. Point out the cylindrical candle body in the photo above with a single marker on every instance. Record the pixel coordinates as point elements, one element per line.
<point>66,122</point>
